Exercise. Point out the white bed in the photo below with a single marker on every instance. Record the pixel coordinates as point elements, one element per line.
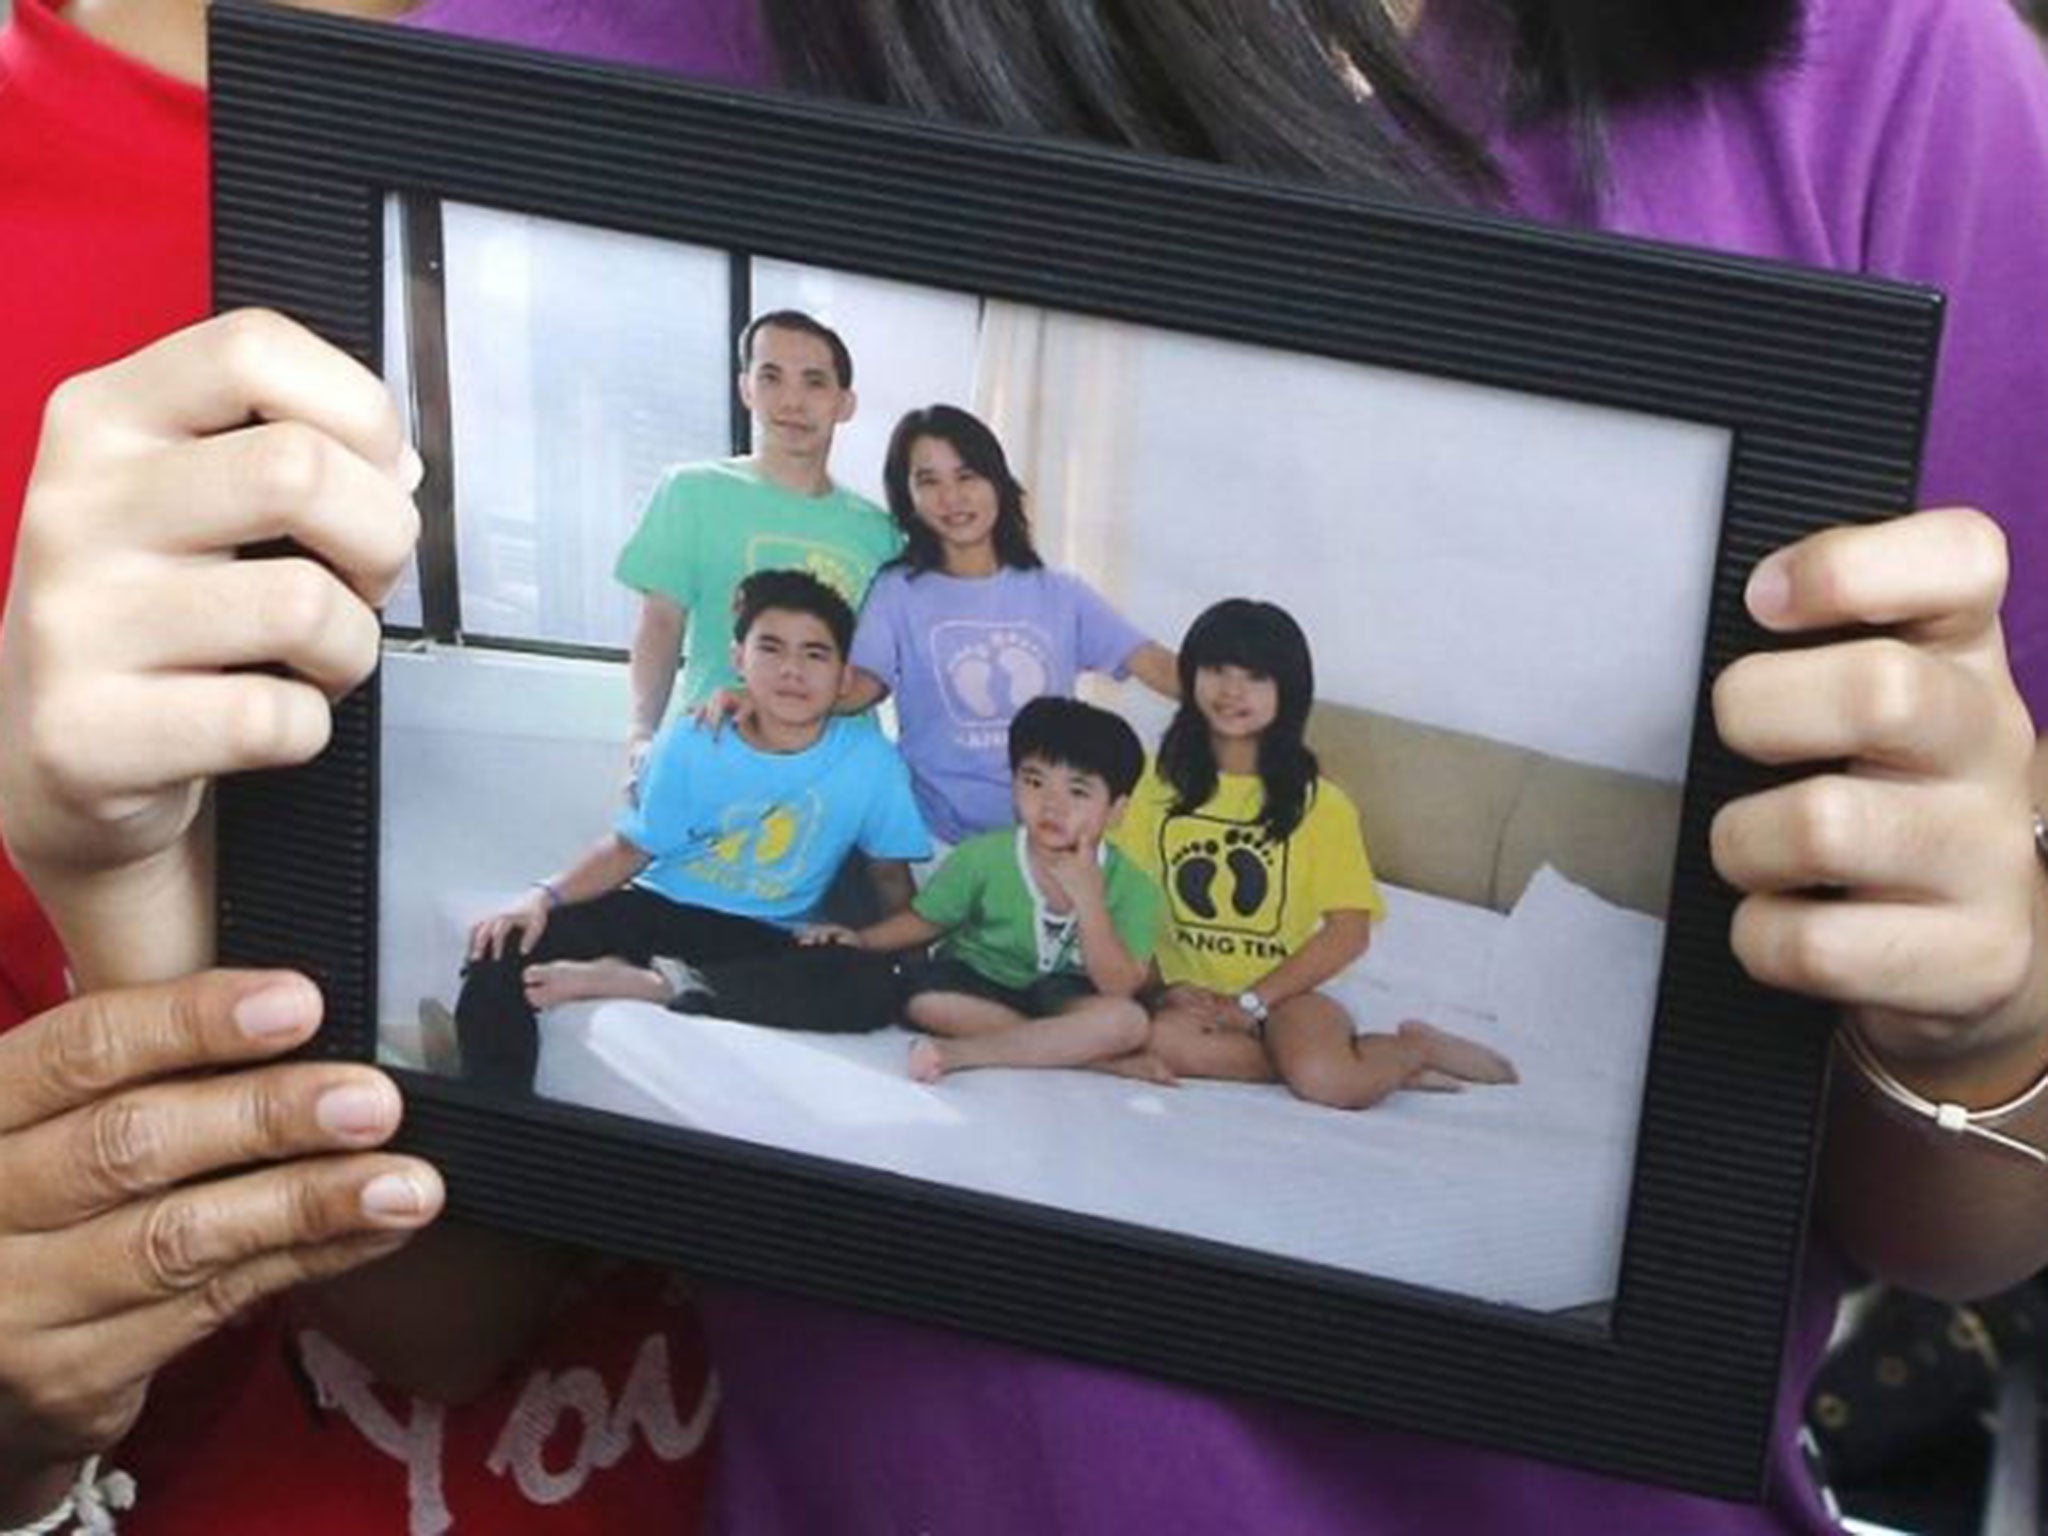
<point>1514,1195</point>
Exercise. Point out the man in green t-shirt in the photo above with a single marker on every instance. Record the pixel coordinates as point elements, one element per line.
<point>707,526</point>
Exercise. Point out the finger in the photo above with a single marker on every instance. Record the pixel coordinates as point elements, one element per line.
<point>127,734</point>
<point>278,480</point>
<point>529,935</point>
<point>1942,572</point>
<point>128,1345</point>
<point>1907,958</point>
<point>249,365</point>
<point>144,1140</point>
<point>188,1240</point>
<point>1883,838</point>
<point>290,612</point>
<point>98,1044</point>
<point>1879,701</point>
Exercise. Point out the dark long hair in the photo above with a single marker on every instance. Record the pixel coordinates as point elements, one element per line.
<point>981,452</point>
<point>1315,90</point>
<point>1262,638</point>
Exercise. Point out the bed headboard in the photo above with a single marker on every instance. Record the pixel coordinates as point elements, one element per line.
<point>1473,819</point>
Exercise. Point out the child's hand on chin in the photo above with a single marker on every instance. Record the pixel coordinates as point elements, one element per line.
<point>1927,832</point>
<point>1077,872</point>
<point>129,610</point>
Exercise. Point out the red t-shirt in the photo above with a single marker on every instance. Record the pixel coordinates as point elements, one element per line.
<point>102,248</point>
<point>271,1427</point>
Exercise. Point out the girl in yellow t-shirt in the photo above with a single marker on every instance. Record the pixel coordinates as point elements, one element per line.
<point>1268,891</point>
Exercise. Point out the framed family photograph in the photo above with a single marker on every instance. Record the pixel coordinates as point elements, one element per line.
<point>1089,749</point>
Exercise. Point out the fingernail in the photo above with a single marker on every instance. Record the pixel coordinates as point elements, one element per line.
<point>394,1197</point>
<point>1770,590</point>
<point>288,1008</point>
<point>412,469</point>
<point>356,1111</point>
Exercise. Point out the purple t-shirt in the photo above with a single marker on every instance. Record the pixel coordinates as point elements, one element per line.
<point>1904,140</point>
<point>962,655</point>
<point>707,39</point>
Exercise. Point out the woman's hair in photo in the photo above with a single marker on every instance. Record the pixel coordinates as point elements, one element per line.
<point>979,450</point>
<point>1262,638</point>
<point>1314,90</point>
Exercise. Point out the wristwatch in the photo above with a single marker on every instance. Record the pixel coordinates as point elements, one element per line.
<point>1252,1004</point>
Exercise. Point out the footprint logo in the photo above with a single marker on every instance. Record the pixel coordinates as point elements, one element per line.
<point>775,837</point>
<point>838,570</point>
<point>1225,875</point>
<point>759,837</point>
<point>1249,858</point>
<point>993,671</point>
<point>1193,872</point>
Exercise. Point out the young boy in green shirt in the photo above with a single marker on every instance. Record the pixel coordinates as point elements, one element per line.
<point>1044,930</point>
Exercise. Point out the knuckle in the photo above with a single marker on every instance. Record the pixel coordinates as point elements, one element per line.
<point>173,1243</point>
<point>264,1120</point>
<point>57,748</point>
<point>247,342</point>
<point>124,1145</point>
<point>301,604</point>
<point>307,1210</point>
<point>288,463</point>
<point>1888,693</point>
<point>1821,580</point>
<point>1997,955</point>
<point>71,407</point>
<point>361,648</point>
<point>1727,842</point>
<point>1813,956</point>
<point>273,722</point>
<point>226,1295</point>
<point>1981,549</point>
<point>1827,829</point>
<point>49,627</point>
<point>82,1057</point>
<point>390,540</point>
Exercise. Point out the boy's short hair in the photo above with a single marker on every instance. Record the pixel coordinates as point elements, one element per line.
<point>791,592</point>
<point>808,325</point>
<point>1066,733</point>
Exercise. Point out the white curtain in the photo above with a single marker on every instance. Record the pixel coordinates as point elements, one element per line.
<point>1057,390</point>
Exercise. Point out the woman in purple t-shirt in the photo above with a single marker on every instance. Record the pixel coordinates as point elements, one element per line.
<point>1859,135</point>
<point>967,625</point>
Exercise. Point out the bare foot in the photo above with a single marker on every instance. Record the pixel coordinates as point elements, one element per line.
<point>927,1064</point>
<point>1430,1080</point>
<point>1455,1056</point>
<point>568,981</point>
<point>440,1044</point>
<point>1145,1066</point>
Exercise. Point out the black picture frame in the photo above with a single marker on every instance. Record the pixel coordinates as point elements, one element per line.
<point>1823,382</point>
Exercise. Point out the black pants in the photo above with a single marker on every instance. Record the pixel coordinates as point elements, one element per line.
<point>825,989</point>
<point>500,1043</point>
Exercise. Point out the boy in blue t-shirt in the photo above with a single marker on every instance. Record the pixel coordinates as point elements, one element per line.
<point>1045,931</point>
<point>733,843</point>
